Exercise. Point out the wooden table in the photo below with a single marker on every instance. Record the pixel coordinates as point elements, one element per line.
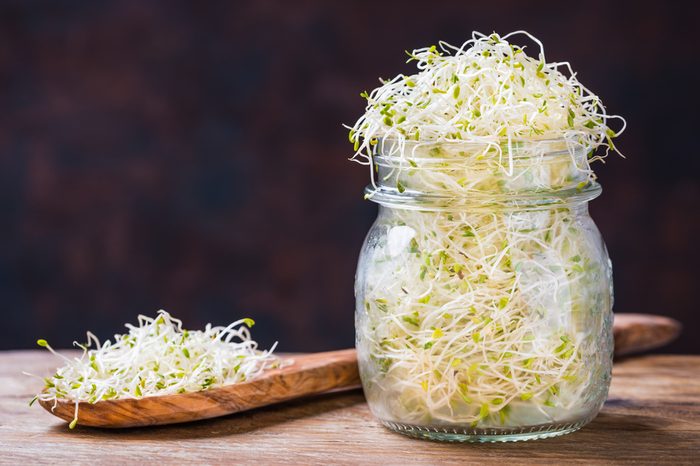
<point>652,416</point>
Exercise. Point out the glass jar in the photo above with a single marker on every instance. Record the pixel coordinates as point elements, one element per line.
<point>484,291</point>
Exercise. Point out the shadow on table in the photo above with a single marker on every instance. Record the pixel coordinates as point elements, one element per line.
<point>233,424</point>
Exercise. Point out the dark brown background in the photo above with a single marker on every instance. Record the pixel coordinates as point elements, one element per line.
<point>190,155</point>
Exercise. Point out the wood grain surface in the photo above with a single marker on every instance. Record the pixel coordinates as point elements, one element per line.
<point>304,375</point>
<point>652,417</point>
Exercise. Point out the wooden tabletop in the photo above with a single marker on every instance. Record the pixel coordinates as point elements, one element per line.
<point>652,416</point>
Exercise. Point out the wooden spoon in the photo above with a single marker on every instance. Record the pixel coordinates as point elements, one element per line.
<point>309,374</point>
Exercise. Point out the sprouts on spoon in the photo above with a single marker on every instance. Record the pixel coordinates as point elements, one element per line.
<point>157,357</point>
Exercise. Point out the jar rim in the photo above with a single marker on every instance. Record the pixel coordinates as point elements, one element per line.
<point>389,149</point>
<point>515,173</point>
<point>485,201</point>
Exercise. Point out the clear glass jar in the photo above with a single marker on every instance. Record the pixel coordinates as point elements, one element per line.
<point>484,292</point>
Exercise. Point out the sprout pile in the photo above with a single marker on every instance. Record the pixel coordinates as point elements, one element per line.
<point>484,289</point>
<point>157,357</point>
<point>485,91</point>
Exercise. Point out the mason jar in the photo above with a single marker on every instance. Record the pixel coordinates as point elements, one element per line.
<point>484,291</point>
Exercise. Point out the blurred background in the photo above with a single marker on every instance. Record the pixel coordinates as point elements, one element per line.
<point>190,155</point>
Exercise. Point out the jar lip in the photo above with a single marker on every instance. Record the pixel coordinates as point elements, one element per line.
<point>485,140</point>
<point>506,201</point>
<point>517,148</point>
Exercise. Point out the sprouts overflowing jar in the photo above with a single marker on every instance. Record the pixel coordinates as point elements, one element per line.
<point>483,289</point>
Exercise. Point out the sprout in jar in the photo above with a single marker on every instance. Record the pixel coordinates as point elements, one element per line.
<point>483,290</point>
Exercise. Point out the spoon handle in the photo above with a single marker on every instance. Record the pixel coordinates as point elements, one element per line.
<point>635,333</point>
<point>309,374</point>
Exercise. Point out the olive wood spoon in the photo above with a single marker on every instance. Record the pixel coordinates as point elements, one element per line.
<point>308,374</point>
